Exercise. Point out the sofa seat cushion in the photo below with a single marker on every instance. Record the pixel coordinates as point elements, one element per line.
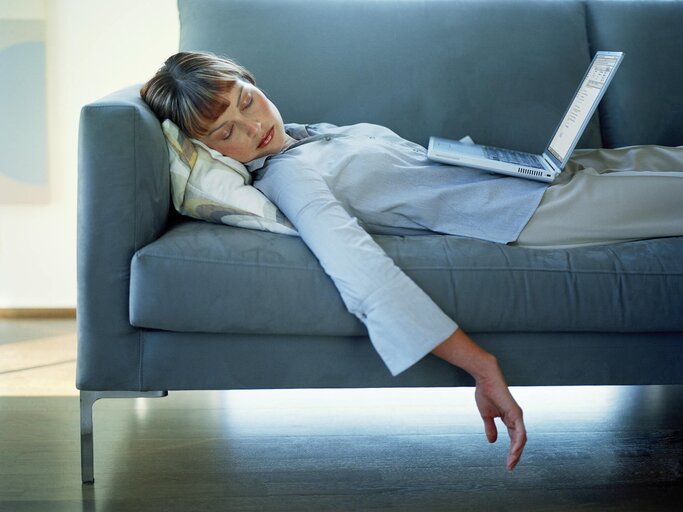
<point>200,277</point>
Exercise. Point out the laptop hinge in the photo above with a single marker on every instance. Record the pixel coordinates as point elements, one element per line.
<point>551,164</point>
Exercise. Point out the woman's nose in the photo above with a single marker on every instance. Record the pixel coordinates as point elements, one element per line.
<point>253,128</point>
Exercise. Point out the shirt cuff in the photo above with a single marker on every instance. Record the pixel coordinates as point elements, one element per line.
<point>404,324</point>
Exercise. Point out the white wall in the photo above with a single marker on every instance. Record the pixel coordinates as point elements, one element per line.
<point>93,47</point>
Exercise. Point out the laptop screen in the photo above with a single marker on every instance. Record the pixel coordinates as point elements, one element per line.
<point>583,105</point>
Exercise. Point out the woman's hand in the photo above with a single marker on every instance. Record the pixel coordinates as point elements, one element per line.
<point>494,400</point>
<point>492,395</point>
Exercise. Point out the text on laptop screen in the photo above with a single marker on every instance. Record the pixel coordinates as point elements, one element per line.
<point>582,106</point>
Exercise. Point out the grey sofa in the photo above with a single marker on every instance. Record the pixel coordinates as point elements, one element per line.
<point>168,303</point>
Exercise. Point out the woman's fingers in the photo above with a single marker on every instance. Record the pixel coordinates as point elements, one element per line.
<point>517,432</point>
<point>490,428</point>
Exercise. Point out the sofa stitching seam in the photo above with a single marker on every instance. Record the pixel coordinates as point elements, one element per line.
<point>413,268</point>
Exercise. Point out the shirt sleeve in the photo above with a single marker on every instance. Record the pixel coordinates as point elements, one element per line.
<point>403,322</point>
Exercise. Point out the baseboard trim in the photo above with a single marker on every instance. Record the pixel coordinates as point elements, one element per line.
<point>35,313</point>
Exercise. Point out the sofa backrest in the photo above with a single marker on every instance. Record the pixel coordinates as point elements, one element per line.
<point>645,106</point>
<point>501,71</point>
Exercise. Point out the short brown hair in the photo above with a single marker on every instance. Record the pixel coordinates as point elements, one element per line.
<point>188,89</point>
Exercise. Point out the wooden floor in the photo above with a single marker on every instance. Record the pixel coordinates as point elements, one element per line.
<point>590,448</point>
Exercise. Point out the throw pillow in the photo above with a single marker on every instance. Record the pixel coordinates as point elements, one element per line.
<point>209,186</point>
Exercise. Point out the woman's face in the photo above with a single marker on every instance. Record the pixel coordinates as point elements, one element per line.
<point>251,126</point>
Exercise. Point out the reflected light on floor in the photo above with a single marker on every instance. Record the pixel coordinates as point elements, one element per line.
<point>570,403</point>
<point>333,410</point>
<point>428,410</point>
<point>141,407</point>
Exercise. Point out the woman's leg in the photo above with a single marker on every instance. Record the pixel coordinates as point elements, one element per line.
<point>609,196</point>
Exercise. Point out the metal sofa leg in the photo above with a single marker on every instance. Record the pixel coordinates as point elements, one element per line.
<point>88,399</point>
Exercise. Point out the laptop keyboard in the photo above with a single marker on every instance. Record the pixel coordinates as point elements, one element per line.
<point>513,157</point>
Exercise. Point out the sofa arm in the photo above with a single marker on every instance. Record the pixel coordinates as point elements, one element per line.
<point>123,204</point>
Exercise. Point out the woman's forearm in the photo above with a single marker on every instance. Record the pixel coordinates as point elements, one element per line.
<point>460,350</point>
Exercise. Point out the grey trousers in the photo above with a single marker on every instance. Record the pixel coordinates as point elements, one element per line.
<point>608,196</point>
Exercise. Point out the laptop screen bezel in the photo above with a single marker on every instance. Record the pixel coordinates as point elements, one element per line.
<point>547,153</point>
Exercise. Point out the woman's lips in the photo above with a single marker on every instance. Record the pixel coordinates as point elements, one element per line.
<point>267,138</point>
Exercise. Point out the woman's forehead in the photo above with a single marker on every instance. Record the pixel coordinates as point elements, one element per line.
<point>232,95</point>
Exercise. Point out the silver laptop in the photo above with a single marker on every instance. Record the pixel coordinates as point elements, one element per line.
<point>547,166</point>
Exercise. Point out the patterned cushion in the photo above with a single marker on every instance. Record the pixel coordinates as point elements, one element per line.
<point>209,186</point>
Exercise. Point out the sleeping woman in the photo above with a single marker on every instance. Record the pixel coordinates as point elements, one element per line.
<point>338,184</point>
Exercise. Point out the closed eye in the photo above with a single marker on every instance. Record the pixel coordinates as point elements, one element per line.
<point>247,104</point>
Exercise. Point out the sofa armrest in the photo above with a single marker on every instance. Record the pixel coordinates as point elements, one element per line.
<point>123,204</point>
